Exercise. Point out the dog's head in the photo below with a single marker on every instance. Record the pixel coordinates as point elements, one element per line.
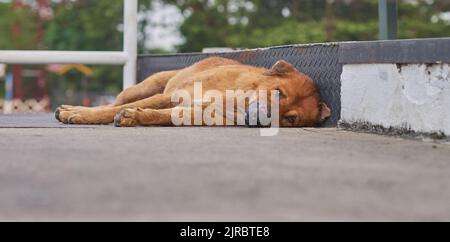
<point>299,99</point>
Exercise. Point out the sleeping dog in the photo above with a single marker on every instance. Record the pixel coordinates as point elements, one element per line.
<point>151,102</point>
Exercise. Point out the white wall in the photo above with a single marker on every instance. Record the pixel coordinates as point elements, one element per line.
<point>408,96</point>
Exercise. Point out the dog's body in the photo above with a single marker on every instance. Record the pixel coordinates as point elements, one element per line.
<point>150,102</point>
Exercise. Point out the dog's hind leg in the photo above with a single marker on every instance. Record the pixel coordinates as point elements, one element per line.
<point>105,114</point>
<point>153,85</point>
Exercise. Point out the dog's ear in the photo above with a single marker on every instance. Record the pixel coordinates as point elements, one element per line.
<point>280,68</point>
<point>325,112</point>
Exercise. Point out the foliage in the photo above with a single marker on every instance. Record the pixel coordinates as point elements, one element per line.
<point>8,19</point>
<point>257,23</point>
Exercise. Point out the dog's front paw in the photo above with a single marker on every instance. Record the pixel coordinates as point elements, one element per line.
<point>84,115</point>
<point>64,112</point>
<point>72,117</point>
<point>57,113</point>
<point>126,118</point>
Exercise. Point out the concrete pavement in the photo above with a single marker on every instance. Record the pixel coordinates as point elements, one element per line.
<point>53,172</point>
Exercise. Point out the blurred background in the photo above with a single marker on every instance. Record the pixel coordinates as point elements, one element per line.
<point>171,26</point>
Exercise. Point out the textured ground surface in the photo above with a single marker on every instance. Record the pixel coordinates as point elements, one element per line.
<point>54,172</point>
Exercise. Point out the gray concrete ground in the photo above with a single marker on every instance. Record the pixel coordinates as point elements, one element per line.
<point>53,172</point>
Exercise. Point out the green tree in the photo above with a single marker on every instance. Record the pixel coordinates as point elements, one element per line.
<point>9,36</point>
<point>259,23</point>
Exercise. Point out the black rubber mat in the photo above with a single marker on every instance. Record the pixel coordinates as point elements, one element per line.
<point>320,62</point>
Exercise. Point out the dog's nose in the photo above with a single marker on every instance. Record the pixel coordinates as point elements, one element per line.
<point>252,115</point>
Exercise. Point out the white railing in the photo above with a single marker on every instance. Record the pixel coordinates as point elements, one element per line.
<point>127,57</point>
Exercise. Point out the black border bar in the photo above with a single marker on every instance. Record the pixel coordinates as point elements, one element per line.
<point>414,51</point>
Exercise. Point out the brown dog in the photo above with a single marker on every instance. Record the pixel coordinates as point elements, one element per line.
<point>150,102</point>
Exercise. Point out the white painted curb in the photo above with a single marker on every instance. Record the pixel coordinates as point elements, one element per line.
<point>413,96</point>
